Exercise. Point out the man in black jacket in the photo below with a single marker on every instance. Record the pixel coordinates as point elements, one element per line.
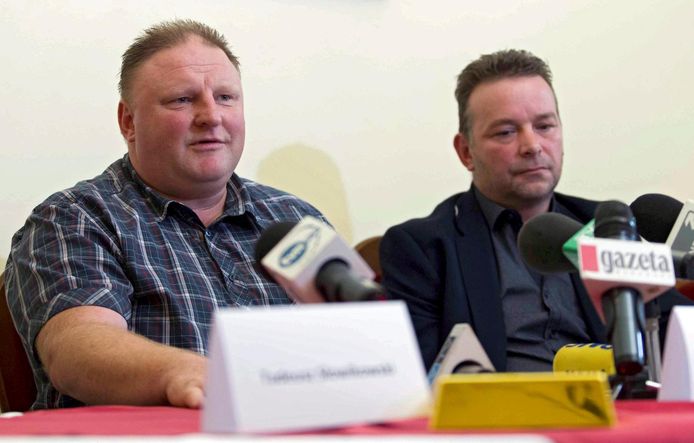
<point>461,263</point>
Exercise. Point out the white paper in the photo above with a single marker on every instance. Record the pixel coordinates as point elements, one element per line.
<point>678,362</point>
<point>313,366</point>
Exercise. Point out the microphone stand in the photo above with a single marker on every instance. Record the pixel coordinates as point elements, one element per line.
<point>646,383</point>
<point>653,340</point>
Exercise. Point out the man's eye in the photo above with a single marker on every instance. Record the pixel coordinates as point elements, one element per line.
<point>545,127</point>
<point>228,99</point>
<point>182,100</point>
<point>504,133</point>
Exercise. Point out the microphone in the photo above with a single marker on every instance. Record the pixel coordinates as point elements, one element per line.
<point>541,240</point>
<point>548,242</point>
<point>551,242</point>
<point>622,304</point>
<point>313,264</point>
<point>584,357</point>
<point>663,219</point>
<point>656,215</point>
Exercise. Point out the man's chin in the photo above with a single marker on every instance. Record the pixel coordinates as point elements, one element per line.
<point>214,171</point>
<point>219,180</point>
<point>536,192</point>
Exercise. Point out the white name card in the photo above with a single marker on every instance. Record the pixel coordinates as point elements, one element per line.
<point>300,367</point>
<point>678,362</point>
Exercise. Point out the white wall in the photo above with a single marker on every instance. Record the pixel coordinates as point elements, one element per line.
<point>368,84</point>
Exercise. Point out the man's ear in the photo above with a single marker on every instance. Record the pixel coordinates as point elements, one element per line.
<point>126,122</point>
<point>462,148</point>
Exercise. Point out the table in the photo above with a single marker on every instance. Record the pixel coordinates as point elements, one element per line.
<point>638,421</point>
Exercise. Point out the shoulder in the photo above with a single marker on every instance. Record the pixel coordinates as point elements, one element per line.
<point>434,228</point>
<point>112,181</point>
<point>273,204</point>
<point>88,204</point>
<point>443,216</point>
<point>90,196</point>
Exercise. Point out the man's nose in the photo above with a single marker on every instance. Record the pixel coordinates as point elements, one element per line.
<point>529,142</point>
<point>207,112</point>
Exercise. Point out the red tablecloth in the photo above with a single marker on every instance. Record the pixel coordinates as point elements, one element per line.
<point>104,420</point>
<point>638,421</point>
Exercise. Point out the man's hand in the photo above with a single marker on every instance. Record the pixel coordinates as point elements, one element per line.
<point>186,386</point>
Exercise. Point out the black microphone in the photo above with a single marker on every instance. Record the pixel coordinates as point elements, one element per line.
<point>322,271</point>
<point>541,239</point>
<point>270,237</point>
<point>656,215</point>
<point>664,219</point>
<point>623,306</point>
<point>541,242</point>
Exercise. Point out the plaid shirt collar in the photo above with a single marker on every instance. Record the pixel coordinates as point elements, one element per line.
<point>238,200</point>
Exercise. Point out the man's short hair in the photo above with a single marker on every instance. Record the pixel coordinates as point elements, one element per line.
<point>166,35</point>
<point>496,66</point>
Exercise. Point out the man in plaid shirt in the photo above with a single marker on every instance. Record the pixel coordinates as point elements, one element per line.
<point>112,283</point>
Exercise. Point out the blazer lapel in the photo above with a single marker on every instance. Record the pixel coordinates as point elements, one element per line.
<point>480,278</point>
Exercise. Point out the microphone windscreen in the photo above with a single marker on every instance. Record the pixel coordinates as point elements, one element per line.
<point>270,237</point>
<point>614,219</point>
<point>541,239</point>
<point>656,215</point>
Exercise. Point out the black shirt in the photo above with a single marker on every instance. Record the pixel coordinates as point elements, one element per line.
<point>541,312</point>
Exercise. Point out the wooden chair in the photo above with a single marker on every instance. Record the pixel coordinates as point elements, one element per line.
<point>17,389</point>
<point>368,249</point>
<point>686,288</point>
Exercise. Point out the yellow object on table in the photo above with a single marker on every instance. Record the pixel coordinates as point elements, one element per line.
<point>522,400</point>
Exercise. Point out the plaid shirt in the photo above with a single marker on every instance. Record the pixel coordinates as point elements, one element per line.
<point>116,243</point>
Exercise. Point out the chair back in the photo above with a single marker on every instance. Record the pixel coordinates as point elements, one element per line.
<point>17,388</point>
<point>369,251</point>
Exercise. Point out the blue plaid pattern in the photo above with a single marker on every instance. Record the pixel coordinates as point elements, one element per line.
<point>116,243</point>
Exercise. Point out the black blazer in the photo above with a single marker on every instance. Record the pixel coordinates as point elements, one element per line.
<point>444,267</point>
